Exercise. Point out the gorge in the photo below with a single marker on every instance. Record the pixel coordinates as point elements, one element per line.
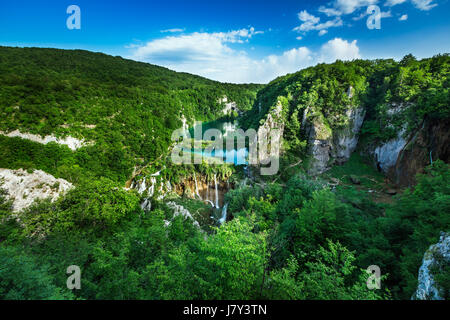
<point>87,178</point>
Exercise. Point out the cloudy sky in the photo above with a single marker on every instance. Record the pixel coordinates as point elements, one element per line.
<point>236,40</point>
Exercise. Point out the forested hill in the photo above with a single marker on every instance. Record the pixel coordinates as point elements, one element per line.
<point>293,235</point>
<point>375,84</point>
<point>397,113</point>
<point>129,109</point>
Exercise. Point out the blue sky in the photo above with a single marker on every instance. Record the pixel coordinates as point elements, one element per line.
<point>233,41</point>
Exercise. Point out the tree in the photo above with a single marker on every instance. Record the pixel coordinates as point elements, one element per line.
<point>22,278</point>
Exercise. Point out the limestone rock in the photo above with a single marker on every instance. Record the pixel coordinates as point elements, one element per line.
<point>179,210</point>
<point>71,142</point>
<point>327,146</point>
<point>386,154</point>
<point>427,288</point>
<point>25,187</point>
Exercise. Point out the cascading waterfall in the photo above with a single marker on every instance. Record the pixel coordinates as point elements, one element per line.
<point>223,218</point>
<point>142,187</point>
<point>151,190</point>
<point>196,187</point>
<point>217,192</point>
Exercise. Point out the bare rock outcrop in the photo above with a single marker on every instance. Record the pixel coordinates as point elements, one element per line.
<point>71,142</point>
<point>24,187</point>
<point>408,154</point>
<point>332,146</point>
<point>437,255</point>
<point>179,210</point>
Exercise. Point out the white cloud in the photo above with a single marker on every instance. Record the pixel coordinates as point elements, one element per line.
<point>403,17</point>
<point>339,49</point>
<point>311,22</point>
<point>424,5</point>
<point>391,3</point>
<point>299,38</point>
<point>288,62</point>
<point>174,30</point>
<point>343,7</point>
<point>387,14</point>
<point>210,55</point>
<point>306,17</point>
<point>359,17</point>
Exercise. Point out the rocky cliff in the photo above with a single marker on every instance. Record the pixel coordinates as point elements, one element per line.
<point>408,154</point>
<point>424,146</point>
<point>400,158</point>
<point>328,146</point>
<point>209,190</point>
<point>436,257</point>
<point>25,187</point>
<point>270,134</point>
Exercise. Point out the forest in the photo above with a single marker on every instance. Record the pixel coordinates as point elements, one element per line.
<point>289,236</point>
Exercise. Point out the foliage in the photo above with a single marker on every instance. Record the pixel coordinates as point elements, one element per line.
<point>290,238</point>
<point>127,109</point>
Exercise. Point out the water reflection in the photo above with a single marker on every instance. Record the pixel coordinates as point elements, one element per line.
<point>232,156</point>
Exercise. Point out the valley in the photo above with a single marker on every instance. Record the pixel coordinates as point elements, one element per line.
<point>87,179</point>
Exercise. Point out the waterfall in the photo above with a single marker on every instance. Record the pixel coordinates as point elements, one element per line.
<point>151,190</point>
<point>142,187</point>
<point>305,114</point>
<point>217,192</point>
<point>210,202</point>
<point>223,219</point>
<point>196,187</point>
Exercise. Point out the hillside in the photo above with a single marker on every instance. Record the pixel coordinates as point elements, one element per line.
<point>383,104</point>
<point>124,110</point>
<point>86,180</point>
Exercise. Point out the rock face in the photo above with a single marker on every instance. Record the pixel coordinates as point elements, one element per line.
<point>71,142</point>
<point>327,146</point>
<point>386,155</point>
<point>229,106</point>
<point>408,154</point>
<point>26,187</point>
<point>270,131</point>
<point>427,289</point>
<point>427,144</point>
<point>197,187</point>
<point>345,139</point>
<point>179,210</point>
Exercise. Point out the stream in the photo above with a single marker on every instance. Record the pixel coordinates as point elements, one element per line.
<point>233,156</point>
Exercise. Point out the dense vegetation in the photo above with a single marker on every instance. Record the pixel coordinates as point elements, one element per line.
<point>326,90</point>
<point>298,241</point>
<point>290,236</point>
<point>128,109</point>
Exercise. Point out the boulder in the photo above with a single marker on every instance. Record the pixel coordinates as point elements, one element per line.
<point>354,179</point>
<point>391,192</point>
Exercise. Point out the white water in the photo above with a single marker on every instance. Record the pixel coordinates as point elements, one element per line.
<point>142,187</point>
<point>196,187</point>
<point>210,202</point>
<point>217,192</point>
<point>224,214</point>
